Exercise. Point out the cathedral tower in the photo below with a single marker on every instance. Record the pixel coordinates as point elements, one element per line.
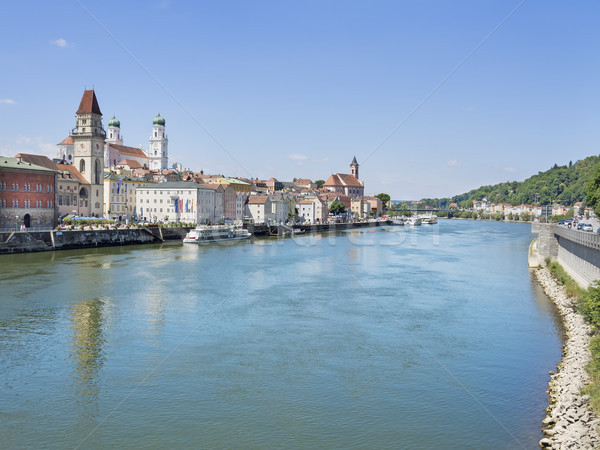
<point>158,154</point>
<point>88,154</point>
<point>114,132</point>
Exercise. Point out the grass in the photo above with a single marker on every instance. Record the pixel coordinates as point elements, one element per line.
<point>563,278</point>
<point>588,305</point>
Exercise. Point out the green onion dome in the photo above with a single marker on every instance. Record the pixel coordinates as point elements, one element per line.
<point>114,122</point>
<point>159,120</point>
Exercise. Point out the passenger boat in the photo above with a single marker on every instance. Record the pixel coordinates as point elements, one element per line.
<point>413,221</point>
<point>207,233</point>
<point>430,220</point>
<point>398,221</point>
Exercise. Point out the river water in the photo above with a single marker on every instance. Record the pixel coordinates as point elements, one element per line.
<point>394,337</point>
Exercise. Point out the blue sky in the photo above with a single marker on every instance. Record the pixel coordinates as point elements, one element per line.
<point>296,89</point>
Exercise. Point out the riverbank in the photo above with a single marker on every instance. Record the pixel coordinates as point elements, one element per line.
<point>569,422</point>
<point>40,241</point>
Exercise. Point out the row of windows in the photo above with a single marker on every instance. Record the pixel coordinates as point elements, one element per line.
<point>68,200</point>
<point>26,187</point>
<point>27,204</point>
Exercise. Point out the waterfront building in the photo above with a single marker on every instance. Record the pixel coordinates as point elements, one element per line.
<point>219,204</point>
<point>241,199</point>
<point>313,210</point>
<point>258,208</point>
<point>120,196</point>
<point>67,186</point>
<point>229,202</point>
<point>181,201</point>
<point>359,208</point>
<point>26,194</point>
<point>88,153</point>
<point>158,153</point>
<point>375,205</point>
<point>347,184</point>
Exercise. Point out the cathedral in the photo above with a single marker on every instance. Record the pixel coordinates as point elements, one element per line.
<point>111,141</point>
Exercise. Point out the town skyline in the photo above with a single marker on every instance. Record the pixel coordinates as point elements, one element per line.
<point>433,99</point>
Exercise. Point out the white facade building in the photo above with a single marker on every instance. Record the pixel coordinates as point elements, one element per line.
<point>181,201</point>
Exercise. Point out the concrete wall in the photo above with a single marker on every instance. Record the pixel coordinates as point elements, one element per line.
<point>22,242</point>
<point>578,252</point>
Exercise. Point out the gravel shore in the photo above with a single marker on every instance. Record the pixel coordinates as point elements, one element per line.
<point>569,423</point>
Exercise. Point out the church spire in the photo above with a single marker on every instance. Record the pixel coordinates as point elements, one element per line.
<point>354,168</point>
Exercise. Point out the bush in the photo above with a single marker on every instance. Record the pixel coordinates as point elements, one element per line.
<point>589,304</point>
<point>593,369</point>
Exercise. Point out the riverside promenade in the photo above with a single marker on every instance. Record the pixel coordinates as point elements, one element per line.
<point>569,423</point>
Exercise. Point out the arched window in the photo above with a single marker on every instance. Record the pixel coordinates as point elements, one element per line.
<point>97,172</point>
<point>82,166</point>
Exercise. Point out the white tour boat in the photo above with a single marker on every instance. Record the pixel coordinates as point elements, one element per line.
<point>207,233</point>
<point>430,220</point>
<point>398,221</point>
<point>413,221</point>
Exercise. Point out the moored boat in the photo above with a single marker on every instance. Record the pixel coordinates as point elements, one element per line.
<point>429,220</point>
<point>207,233</point>
<point>413,221</point>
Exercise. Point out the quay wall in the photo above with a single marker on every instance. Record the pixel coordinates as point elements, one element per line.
<point>578,252</point>
<point>40,241</point>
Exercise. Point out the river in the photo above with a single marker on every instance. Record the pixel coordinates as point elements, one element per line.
<point>394,337</point>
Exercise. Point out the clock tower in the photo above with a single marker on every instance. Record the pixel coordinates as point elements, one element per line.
<point>158,154</point>
<point>88,154</point>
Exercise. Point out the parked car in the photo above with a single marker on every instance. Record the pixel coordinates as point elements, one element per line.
<point>580,225</point>
<point>587,227</point>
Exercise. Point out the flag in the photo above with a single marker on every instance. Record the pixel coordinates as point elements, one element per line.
<point>176,205</point>
<point>119,186</point>
<point>142,212</point>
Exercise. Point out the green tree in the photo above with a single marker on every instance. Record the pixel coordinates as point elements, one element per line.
<point>385,198</point>
<point>336,208</point>
<point>320,183</point>
<point>593,192</point>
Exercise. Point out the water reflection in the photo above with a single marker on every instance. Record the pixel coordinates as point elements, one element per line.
<point>87,352</point>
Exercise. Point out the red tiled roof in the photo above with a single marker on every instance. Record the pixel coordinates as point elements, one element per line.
<point>343,179</point>
<point>75,174</point>
<point>131,163</point>
<point>132,151</point>
<point>89,103</point>
<point>38,160</point>
<point>66,141</point>
<point>257,199</point>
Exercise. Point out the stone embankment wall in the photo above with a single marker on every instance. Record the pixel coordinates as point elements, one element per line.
<point>578,252</point>
<point>569,422</point>
<point>23,241</point>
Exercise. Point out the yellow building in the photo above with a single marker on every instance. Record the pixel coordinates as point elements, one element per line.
<point>237,185</point>
<point>120,196</point>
